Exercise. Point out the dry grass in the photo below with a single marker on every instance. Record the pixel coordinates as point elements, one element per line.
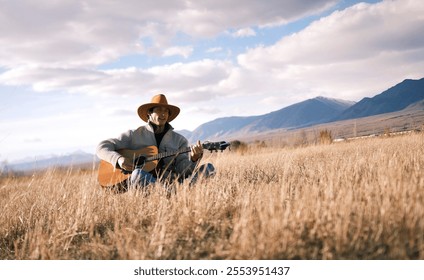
<point>355,200</point>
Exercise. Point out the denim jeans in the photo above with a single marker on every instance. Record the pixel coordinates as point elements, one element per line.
<point>141,178</point>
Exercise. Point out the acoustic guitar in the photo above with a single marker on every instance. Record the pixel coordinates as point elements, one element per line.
<point>147,159</point>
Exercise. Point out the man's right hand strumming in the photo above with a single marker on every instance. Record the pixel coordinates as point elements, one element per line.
<point>126,164</point>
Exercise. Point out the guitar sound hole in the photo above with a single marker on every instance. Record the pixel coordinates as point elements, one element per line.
<point>139,162</point>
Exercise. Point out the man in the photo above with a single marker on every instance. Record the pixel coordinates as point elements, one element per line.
<point>157,132</point>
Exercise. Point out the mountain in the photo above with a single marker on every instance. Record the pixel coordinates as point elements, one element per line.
<point>394,99</point>
<point>184,132</point>
<point>220,127</point>
<point>313,111</point>
<point>309,112</point>
<point>306,113</point>
<point>30,164</point>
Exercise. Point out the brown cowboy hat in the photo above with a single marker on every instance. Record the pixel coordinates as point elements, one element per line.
<point>158,100</point>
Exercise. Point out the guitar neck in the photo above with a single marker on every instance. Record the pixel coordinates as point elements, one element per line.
<point>168,154</point>
<point>211,146</point>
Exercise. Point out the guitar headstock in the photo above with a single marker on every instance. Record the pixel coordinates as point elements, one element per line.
<point>216,146</point>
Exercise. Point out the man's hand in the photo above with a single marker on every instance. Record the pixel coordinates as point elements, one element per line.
<point>196,151</point>
<point>126,163</point>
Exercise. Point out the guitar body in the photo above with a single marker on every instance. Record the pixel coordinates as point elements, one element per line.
<point>110,176</point>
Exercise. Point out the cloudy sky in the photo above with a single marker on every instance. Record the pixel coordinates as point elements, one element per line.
<point>73,72</point>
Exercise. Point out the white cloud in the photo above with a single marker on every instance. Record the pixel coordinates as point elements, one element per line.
<point>184,51</point>
<point>244,32</point>
<point>183,79</point>
<point>348,54</point>
<point>58,45</point>
<point>32,140</point>
<point>209,18</point>
<point>214,50</point>
<point>351,53</point>
<point>188,81</point>
<point>49,79</point>
<point>81,33</point>
<point>202,110</point>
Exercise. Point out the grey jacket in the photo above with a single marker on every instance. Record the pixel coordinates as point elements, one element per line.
<point>143,137</point>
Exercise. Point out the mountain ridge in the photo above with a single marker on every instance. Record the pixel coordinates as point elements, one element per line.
<point>393,99</point>
<point>76,158</point>
<point>312,111</point>
<point>308,112</point>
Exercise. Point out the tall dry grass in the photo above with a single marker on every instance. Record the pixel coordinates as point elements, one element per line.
<point>356,200</point>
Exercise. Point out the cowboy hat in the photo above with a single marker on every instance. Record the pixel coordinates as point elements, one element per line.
<point>158,100</point>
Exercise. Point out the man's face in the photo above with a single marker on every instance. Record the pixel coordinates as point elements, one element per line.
<point>159,116</point>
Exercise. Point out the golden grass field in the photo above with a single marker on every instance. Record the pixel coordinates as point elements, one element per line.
<point>362,199</point>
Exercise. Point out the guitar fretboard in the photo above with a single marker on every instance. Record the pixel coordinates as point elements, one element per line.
<point>168,154</point>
